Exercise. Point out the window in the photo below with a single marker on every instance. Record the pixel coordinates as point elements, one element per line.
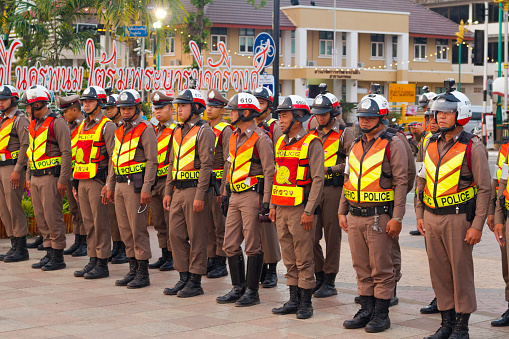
<point>442,49</point>
<point>343,44</point>
<point>169,47</point>
<point>420,48</point>
<point>217,34</point>
<point>377,46</point>
<point>246,40</point>
<point>293,42</point>
<point>326,43</point>
<point>395,47</point>
<point>455,13</point>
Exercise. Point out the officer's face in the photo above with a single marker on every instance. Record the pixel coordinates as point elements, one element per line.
<point>446,119</point>
<point>184,111</point>
<point>89,105</point>
<point>71,114</point>
<point>214,112</point>
<point>285,119</point>
<point>111,111</point>
<point>127,112</point>
<point>433,126</point>
<point>39,111</point>
<point>368,122</point>
<point>263,106</point>
<point>322,119</point>
<point>234,115</point>
<point>5,103</point>
<point>163,114</point>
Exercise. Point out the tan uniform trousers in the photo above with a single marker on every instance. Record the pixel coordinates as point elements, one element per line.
<point>242,224</point>
<point>47,205</point>
<point>189,231</point>
<point>328,225</point>
<point>131,224</point>
<point>372,256</point>
<point>450,261</point>
<point>216,231</point>
<point>296,246</point>
<point>74,208</point>
<point>270,243</point>
<point>505,267</point>
<point>396,258</point>
<point>115,233</point>
<point>96,224</point>
<point>11,210</point>
<point>160,216</point>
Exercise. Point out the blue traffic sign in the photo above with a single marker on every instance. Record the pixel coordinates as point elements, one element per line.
<point>136,31</point>
<point>261,41</point>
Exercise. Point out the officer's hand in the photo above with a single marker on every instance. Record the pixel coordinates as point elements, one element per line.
<point>343,223</point>
<point>145,198</point>
<point>498,229</point>
<point>473,236</point>
<point>393,228</point>
<point>198,206</point>
<point>27,185</point>
<point>263,215</point>
<point>110,195</point>
<point>307,221</point>
<point>491,222</point>
<point>62,188</point>
<point>15,176</point>
<point>104,197</point>
<point>225,201</point>
<point>420,226</point>
<point>218,199</point>
<point>167,202</point>
<point>272,215</point>
<point>75,194</point>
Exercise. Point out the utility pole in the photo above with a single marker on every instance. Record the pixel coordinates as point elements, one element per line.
<point>275,64</point>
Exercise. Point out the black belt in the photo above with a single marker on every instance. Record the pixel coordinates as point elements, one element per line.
<point>252,188</point>
<point>330,182</point>
<point>42,172</point>
<point>369,211</point>
<point>8,162</point>
<point>458,209</point>
<point>182,185</point>
<point>122,178</point>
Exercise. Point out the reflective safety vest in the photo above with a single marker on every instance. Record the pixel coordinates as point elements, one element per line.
<point>5,136</point>
<point>184,154</point>
<point>240,164</point>
<point>363,183</point>
<point>443,174</point>
<point>163,144</point>
<point>39,139</point>
<point>291,177</point>
<point>88,150</point>
<point>74,144</point>
<point>501,159</point>
<point>268,126</point>
<point>331,149</point>
<point>218,130</point>
<point>125,149</point>
<point>426,138</point>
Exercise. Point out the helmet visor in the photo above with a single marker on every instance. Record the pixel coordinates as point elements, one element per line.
<point>443,105</point>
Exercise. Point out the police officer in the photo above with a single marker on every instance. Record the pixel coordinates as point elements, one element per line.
<point>49,154</point>
<point>270,243</point>
<point>13,160</point>
<point>250,169</point>
<point>454,188</point>
<point>118,255</point>
<point>297,187</point>
<point>135,165</point>
<point>163,112</point>
<point>375,195</point>
<point>216,261</point>
<point>187,195</point>
<point>92,169</point>
<point>337,140</point>
<point>71,110</point>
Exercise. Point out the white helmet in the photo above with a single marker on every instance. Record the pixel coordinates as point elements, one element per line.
<point>37,93</point>
<point>129,97</point>
<point>373,105</point>
<point>425,98</point>
<point>453,102</point>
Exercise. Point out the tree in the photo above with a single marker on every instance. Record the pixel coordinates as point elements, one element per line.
<point>197,26</point>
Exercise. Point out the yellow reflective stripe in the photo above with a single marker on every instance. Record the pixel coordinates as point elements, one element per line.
<point>506,204</point>
<point>245,185</point>
<point>367,166</point>
<point>244,159</point>
<point>452,199</point>
<point>162,171</point>
<point>189,157</point>
<point>355,168</point>
<point>220,126</point>
<point>40,144</point>
<point>452,166</point>
<point>430,172</point>
<point>219,173</point>
<point>163,144</point>
<point>46,163</point>
<point>370,196</point>
<point>501,160</point>
<point>332,149</point>
<point>5,134</point>
<point>296,193</point>
<point>185,175</point>
<point>303,154</point>
<point>130,169</point>
<point>128,155</point>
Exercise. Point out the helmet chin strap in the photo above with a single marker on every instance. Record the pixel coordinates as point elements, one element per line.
<point>369,130</point>
<point>328,122</point>
<point>287,131</point>
<point>243,118</point>
<point>445,130</point>
<point>95,109</point>
<point>34,109</point>
<point>10,106</point>
<point>134,115</point>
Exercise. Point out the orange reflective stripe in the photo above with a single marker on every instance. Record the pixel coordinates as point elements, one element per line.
<point>163,143</point>
<point>125,149</point>
<point>331,149</point>
<point>5,136</point>
<point>36,151</point>
<point>184,152</point>
<point>88,150</point>
<point>74,144</point>
<point>240,163</point>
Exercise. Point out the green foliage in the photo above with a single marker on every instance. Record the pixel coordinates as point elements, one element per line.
<point>257,6</point>
<point>197,26</point>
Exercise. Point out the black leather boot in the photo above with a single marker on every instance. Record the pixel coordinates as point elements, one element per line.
<point>502,321</point>
<point>162,259</point>
<point>394,300</point>
<point>192,288</point>
<point>305,310</point>
<point>133,268</point>
<point>74,247</point>
<point>238,276</point>
<point>270,280</point>
<point>168,264</point>
<point>254,270</point>
<point>184,277</point>
<point>44,260</point>
<point>363,316</point>
<point>56,261</point>
<point>448,322</point>
<point>211,264</point>
<point>81,251</point>
<point>41,247</point>
<point>328,288</point>
<point>380,320</point>
<point>460,330</point>
<point>219,269</point>
<point>20,252</point>
<point>265,267</point>
<point>11,250</point>
<point>35,243</point>
<point>357,299</point>
<point>292,305</point>
<point>99,271</point>
<point>431,308</point>
<point>121,257</point>
<point>319,277</point>
<point>142,278</point>
<point>88,267</point>
<point>114,249</point>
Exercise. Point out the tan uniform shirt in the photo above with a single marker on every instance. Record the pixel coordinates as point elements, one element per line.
<point>205,141</point>
<point>345,144</point>
<point>266,152</point>
<point>397,167</point>
<point>480,172</point>
<point>20,140</point>
<point>73,125</point>
<point>61,146</point>
<point>222,151</point>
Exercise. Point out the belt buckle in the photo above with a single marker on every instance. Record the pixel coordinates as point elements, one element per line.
<point>457,209</point>
<point>364,212</point>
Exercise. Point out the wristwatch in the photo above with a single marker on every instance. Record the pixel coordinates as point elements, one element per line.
<point>307,213</point>
<point>398,219</point>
